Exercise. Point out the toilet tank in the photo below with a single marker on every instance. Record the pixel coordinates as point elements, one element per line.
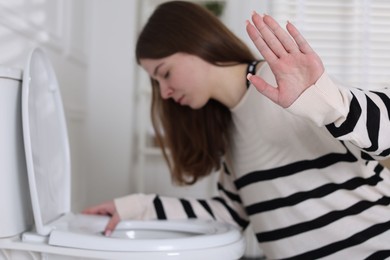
<point>15,203</point>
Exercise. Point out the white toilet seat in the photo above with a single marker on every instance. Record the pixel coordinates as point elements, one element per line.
<point>82,236</point>
<point>86,232</point>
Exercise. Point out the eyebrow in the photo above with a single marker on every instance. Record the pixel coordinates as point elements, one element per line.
<point>156,69</point>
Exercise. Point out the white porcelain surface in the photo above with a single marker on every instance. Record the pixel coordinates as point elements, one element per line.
<point>86,232</point>
<point>46,142</point>
<point>81,236</point>
<point>10,73</point>
<point>14,196</point>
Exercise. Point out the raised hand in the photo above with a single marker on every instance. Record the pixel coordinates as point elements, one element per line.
<point>294,63</point>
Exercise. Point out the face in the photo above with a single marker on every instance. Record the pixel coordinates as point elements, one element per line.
<point>183,77</point>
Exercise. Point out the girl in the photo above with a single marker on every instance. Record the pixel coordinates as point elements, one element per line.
<point>295,151</point>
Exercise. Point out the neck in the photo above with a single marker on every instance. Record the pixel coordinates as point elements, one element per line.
<point>229,84</point>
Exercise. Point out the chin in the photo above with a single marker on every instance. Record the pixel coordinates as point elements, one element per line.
<point>196,106</point>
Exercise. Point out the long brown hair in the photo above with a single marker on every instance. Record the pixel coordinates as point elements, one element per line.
<point>195,139</point>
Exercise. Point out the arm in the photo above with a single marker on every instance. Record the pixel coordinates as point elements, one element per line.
<point>304,88</point>
<point>226,207</point>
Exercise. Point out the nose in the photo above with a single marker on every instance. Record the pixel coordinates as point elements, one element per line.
<point>165,90</point>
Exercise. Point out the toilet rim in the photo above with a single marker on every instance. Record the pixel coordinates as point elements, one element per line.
<point>206,234</point>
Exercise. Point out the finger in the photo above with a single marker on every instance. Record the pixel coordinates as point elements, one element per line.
<point>264,88</point>
<point>260,44</point>
<point>289,45</point>
<point>96,211</point>
<point>303,45</point>
<point>91,210</point>
<point>268,36</point>
<point>112,223</point>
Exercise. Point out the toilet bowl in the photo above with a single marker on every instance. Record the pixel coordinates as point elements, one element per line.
<point>58,231</point>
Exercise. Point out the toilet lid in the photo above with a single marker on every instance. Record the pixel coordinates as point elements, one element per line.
<point>46,142</point>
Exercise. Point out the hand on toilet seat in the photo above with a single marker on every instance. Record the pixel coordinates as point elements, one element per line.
<point>106,209</point>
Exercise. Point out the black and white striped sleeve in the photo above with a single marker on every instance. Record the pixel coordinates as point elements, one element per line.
<point>350,114</point>
<point>226,207</point>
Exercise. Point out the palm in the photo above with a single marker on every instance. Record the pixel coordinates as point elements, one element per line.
<point>294,74</point>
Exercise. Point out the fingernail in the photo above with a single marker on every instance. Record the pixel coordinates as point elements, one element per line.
<point>107,233</point>
<point>256,13</point>
<point>249,76</point>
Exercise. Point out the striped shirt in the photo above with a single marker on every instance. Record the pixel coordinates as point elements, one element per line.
<point>306,178</point>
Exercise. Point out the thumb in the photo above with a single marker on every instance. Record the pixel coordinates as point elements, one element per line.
<point>263,87</point>
<point>112,223</point>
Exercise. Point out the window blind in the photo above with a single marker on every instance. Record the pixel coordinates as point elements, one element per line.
<point>351,36</point>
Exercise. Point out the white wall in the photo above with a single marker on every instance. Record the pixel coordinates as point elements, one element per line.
<point>110,103</point>
<point>237,12</point>
<point>59,27</point>
<point>91,46</point>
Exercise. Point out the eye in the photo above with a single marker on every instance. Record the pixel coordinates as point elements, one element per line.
<point>166,75</point>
